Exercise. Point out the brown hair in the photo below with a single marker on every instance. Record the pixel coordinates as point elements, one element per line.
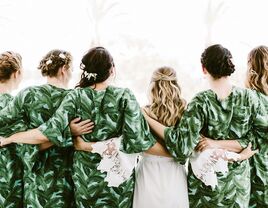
<point>167,104</point>
<point>10,62</point>
<point>53,61</point>
<point>96,65</point>
<point>257,74</point>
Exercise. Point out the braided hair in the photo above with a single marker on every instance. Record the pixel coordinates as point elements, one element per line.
<point>10,62</point>
<point>53,61</point>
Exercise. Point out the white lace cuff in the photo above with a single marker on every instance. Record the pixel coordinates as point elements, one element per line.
<point>118,165</point>
<point>206,164</point>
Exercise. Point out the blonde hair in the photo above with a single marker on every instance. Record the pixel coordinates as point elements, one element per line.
<point>257,74</point>
<point>166,105</point>
<point>10,62</point>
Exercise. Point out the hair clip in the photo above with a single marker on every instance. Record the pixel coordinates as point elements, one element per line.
<point>89,75</point>
<point>253,72</point>
<point>49,61</point>
<point>82,66</point>
<point>61,55</point>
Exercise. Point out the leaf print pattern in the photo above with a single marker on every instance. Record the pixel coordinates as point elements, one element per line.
<point>259,162</point>
<point>220,119</point>
<point>47,174</point>
<point>10,164</point>
<point>115,113</point>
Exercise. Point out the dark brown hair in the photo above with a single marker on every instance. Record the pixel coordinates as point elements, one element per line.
<point>218,61</point>
<point>53,61</point>
<point>96,65</point>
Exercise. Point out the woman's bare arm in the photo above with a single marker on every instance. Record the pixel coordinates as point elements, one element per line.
<point>207,143</point>
<point>158,150</point>
<point>33,136</point>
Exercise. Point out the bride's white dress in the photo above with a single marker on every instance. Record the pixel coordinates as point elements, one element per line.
<point>160,183</point>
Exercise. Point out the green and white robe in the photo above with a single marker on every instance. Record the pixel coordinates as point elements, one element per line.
<point>47,174</point>
<point>233,118</point>
<point>115,113</point>
<point>11,188</point>
<point>259,161</point>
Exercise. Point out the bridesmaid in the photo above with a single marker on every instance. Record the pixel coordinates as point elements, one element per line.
<point>10,164</point>
<point>257,79</point>
<point>160,181</point>
<point>223,111</point>
<point>47,174</point>
<point>115,112</point>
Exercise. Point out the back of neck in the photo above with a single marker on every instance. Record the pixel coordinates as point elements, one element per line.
<point>5,88</point>
<point>56,82</point>
<point>222,87</point>
<point>100,86</point>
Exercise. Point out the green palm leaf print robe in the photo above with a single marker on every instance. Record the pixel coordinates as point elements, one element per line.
<point>10,164</point>
<point>259,162</point>
<point>47,174</point>
<point>233,118</point>
<point>115,113</point>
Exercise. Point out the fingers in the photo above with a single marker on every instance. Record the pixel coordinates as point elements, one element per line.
<point>87,127</point>
<point>85,130</point>
<point>202,140</point>
<point>82,127</point>
<point>249,146</point>
<point>201,147</point>
<point>76,120</point>
<point>87,122</point>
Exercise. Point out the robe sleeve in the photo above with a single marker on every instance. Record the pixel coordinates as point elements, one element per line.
<point>14,111</point>
<point>136,135</point>
<point>182,139</point>
<point>56,129</point>
<point>259,119</point>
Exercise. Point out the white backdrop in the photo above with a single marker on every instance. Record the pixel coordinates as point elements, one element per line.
<point>141,35</point>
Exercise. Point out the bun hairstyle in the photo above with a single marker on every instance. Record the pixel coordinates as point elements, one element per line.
<point>10,62</point>
<point>257,74</point>
<point>218,61</point>
<point>96,65</point>
<point>53,61</point>
<point>167,104</point>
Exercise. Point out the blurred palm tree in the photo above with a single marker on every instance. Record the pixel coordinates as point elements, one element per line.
<point>101,13</point>
<point>215,10</point>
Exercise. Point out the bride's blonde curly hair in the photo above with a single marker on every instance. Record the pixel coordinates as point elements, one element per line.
<point>166,102</point>
<point>257,74</point>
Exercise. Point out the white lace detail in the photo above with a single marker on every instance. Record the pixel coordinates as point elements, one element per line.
<point>118,165</point>
<point>207,163</point>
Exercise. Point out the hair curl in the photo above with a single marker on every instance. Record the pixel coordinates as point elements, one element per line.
<point>97,61</point>
<point>10,62</point>
<point>167,104</point>
<point>53,61</point>
<point>257,73</point>
<point>218,61</point>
